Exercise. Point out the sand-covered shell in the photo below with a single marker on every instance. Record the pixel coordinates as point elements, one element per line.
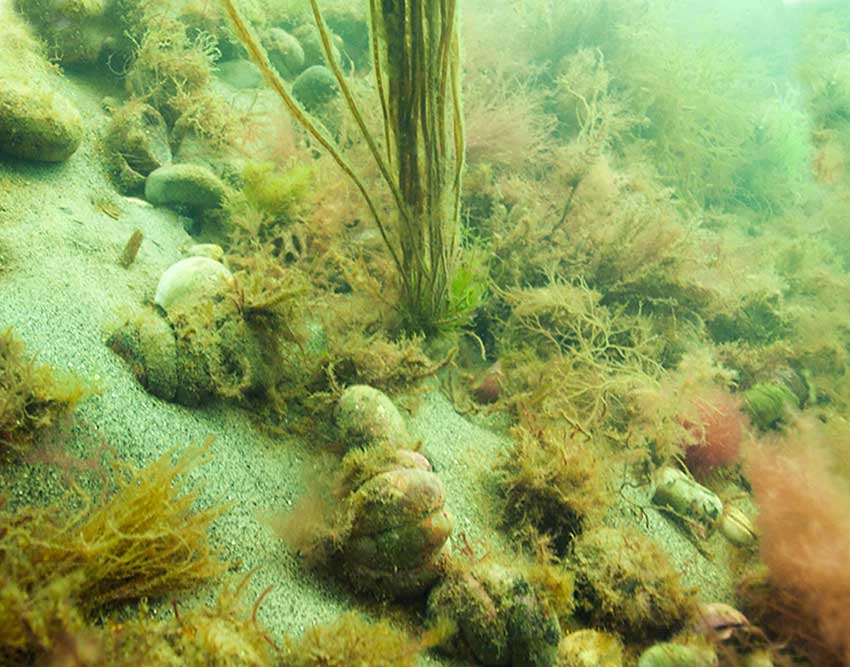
<point>687,499</point>
<point>500,618</point>
<point>398,525</point>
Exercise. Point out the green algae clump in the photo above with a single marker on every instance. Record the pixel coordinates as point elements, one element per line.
<point>279,194</point>
<point>767,405</point>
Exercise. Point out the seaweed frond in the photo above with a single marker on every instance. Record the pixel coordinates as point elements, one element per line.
<point>58,566</point>
<point>33,396</point>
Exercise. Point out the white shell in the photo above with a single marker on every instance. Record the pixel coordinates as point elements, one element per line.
<point>191,279</point>
<point>687,499</point>
<point>737,527</point>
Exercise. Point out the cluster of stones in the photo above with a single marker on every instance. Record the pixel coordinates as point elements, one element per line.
<point>397,542</point>
<point>192,344</point>
<point>398,546</point>
<point>139,145</point>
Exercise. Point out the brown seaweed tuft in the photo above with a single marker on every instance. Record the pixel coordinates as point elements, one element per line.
<point>33,396</point>
<point>143,539</point>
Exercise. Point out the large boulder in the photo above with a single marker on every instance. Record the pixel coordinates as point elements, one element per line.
<point>37,122</point>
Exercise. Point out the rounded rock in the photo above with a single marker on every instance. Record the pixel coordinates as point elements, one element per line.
<point>311,44</point>
<point>366,416</point>
<point>395,521</point>
<point>37,123</point>
<point>767,404</point>
<point>148,345</point>
<point>76,32</point>
<point>191,280</point>
<point>189,185</point>
<point>500,618</point>
<point>315,87</point>
<point>285,52</point>
<point>534,631</point>
<point>394,499</point>
<point>159,351</point>
<point>625,583</point>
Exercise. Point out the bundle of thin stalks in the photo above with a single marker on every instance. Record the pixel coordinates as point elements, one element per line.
<point>415,52</point>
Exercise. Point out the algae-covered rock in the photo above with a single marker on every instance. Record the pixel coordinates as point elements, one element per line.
<point>399,525</point>
<point>767,405</point>
<point>285,52</point>
<point>146,342</point>
<point>75,31</point>
<point>624,582</point>
<point>590,648</point>
<point>136,143</point>
<point>366,416</point>
<point>191,280</point>
<point>315,87</point>
<point>533,628</point>
<point>37,122</point>
<point>202,346</point>
<point>189,185</point>
<point>501,619</point>
<point>387,530</point>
